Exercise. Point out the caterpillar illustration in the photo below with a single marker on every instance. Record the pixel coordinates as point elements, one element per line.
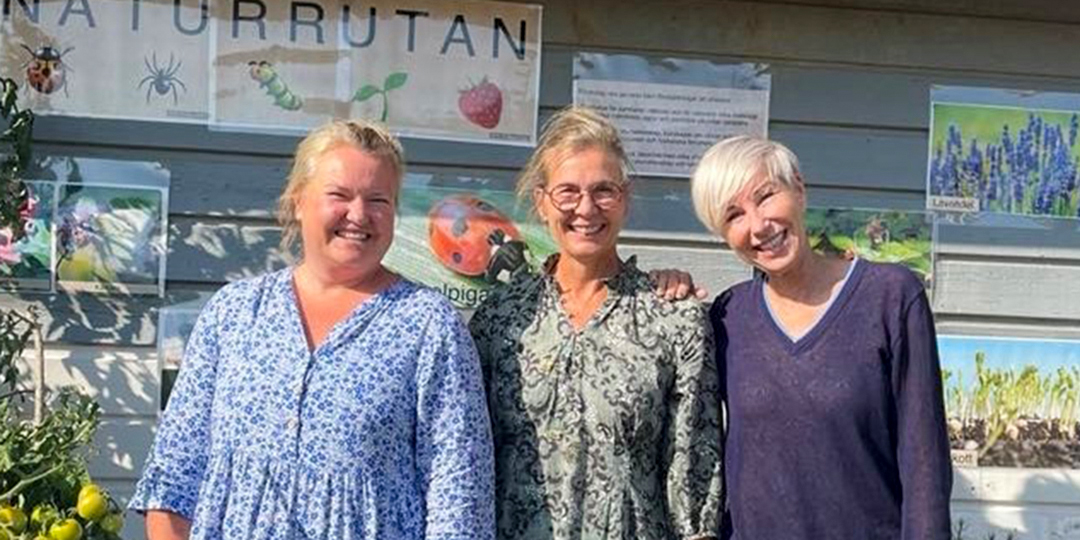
<point>263,72</point>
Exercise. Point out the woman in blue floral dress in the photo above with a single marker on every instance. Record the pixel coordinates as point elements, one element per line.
<point>333,399</point>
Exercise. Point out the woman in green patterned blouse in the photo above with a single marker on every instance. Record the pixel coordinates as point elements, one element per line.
<point>603,395</point>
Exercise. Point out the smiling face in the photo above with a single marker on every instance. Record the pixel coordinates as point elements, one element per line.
<point>587,231</point>
<point>346,213</point>
<point>763,224</point>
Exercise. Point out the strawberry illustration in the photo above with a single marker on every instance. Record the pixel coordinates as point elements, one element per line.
<point>482,104</point>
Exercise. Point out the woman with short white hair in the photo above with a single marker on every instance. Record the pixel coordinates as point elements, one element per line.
<point>829,369</point>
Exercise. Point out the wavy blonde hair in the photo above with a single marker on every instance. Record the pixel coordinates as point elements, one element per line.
<point>370,137</point>
<point>568,132</point>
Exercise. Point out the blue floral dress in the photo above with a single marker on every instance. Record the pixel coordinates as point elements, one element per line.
<point>380,432</point>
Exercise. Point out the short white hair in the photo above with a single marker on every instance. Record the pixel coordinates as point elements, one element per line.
<point>726,168</point>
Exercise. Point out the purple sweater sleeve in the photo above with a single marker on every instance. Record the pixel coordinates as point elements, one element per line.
<point>922,443</point>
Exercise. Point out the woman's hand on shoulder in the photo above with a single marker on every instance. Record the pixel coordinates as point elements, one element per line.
<point>673,284</point>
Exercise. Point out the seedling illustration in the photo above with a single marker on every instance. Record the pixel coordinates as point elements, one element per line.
<point>368,91</point>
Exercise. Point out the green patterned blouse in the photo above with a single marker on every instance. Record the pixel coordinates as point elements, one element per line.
<point>611,431</point>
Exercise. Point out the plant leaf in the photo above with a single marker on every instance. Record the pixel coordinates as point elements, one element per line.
<point>366,92</point>
<point>395,80</point>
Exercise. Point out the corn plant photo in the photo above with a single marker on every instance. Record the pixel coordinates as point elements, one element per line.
<point>1014,159</point>
<point>1015,402</point>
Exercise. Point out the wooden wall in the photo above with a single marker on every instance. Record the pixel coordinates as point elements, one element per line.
<point>850,94</point>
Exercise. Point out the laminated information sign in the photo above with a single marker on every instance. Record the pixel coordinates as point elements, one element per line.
<point>669,111</point>
<point>463,70</point>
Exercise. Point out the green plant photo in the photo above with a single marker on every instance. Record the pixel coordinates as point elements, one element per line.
<point>1014,402</point>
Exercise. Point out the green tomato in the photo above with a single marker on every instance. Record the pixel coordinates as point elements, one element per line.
<point>92,506</point>
<point>89,489</point>
<point>4,535</point>
<point>69,529</point>
<point>112,523</point>
<point>13,518</point>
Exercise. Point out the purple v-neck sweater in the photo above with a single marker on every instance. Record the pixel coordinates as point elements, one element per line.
<point>840,435</point>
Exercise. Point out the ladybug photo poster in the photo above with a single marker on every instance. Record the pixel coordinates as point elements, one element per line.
<point>464,237</point>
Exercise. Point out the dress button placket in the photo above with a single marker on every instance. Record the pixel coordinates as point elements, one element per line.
<point>296,398</point>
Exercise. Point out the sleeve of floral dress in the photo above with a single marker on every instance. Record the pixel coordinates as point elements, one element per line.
<point>694,455</point>
<point>174,468</point>
<point>453,434</point>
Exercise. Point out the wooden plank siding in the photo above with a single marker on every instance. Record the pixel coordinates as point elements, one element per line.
<point>850,94</point>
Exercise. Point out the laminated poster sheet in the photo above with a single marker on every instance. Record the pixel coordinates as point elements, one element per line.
<point>110,238</point>
<point>26,264</point>
<point>1004,151</point>
<point>669,110</point>
<point>1012,402</point>
<point>462,238</point>
<point>891,236</point>
<point>463,70</point>
<point>175,324</point>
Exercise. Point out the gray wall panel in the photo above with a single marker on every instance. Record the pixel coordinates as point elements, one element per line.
<point>829,93</point>
<point>1033,241</point>
<point>714,268</point>
<point>113,320</point>
<point>1026,10</point>
<point>215,251</point>
<point>123,443</point>
<point>1026,327</point>
<point>123,380</point>
<point>1008,289</point>
<point>818,34</point>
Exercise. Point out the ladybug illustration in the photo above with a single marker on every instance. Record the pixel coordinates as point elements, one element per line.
<point>46,71</point>
<point>464,232</point>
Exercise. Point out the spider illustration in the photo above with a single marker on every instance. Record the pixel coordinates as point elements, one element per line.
<point>162,79</point>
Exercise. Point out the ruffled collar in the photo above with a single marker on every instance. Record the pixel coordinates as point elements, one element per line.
<point>626,279</point>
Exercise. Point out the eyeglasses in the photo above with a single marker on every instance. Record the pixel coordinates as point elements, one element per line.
<point>567,197</point>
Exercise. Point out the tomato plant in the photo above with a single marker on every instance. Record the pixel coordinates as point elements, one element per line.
<point>45,491</point>
<point>17,136</point>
